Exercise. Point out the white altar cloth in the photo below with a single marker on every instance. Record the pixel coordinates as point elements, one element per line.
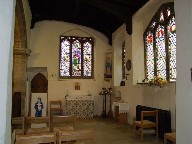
<point>80,106</point>
<point>81,97</point>
<point>123,107</point>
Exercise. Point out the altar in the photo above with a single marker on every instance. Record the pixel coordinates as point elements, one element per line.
<point>80,106</point>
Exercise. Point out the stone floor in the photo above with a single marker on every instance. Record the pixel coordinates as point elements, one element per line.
<point>108,131</point>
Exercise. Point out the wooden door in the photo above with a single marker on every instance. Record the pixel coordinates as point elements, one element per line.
<point>16,104</point>
<point>39,84</point>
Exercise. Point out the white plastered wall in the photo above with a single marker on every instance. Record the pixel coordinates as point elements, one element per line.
<point>163,98</point>
<point>118,38</point>
<point>129,92</point>
<point>44,44</point>
<point>7,14</point>
<point>183,11</point>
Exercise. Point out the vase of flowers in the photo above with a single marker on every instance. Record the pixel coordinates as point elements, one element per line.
<point>158,81</point>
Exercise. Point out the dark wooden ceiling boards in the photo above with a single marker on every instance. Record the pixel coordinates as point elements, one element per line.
<point>104,16</point>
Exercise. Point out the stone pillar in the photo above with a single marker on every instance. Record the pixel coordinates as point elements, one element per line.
<point>20,55</point>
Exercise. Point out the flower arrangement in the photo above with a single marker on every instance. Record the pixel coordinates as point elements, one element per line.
<point>158,80</point>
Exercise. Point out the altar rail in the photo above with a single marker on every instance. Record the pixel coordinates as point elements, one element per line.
<point>164,119</point>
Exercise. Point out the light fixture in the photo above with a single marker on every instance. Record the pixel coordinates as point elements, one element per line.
<point>126,76</point>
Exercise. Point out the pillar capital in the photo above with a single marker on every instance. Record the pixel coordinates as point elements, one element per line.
<point>21,52</point>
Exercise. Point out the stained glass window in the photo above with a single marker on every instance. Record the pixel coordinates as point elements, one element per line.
<point>171,34</point>
<point>168,12</point>
<point>149,55</point>
<point>161,17</point>
<point>123,60</point>
<point>160,52</point>
<point>87,59</point>
<point>76,57</point>
<point>160,44</point>
<point>153,24</point>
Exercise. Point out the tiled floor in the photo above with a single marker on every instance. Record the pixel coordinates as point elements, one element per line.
<point>108,131</point>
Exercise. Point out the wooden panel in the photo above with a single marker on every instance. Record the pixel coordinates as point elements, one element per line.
<point>123,118</point>
<point>170,136</point>
<point>63,123</point>
<point>120,117</point>
<point>36,138</point>
<point>76,135</point>
<point>39,84</point>
<point>116,113</point>
<point>16,104</point>
<point>56,108</point>
<point>37,120</point>
<point>18,123</point>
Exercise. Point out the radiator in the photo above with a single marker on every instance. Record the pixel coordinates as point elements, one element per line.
<point>164,119</point>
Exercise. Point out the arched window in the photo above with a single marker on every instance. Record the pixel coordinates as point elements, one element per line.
<point>76,57</point>
<point>123,60</point>
<point>160,44</point>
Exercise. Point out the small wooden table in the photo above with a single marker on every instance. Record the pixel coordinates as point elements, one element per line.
<point>121,110</point>
<point>170,136</point>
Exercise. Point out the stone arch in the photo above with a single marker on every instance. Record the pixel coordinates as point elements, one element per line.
<point>20,33</point>
<point>78,29</point>
<point>117,45</point>
<point>20,54</point>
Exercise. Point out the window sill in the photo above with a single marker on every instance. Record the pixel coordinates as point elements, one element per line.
<point>150,84</point>
<point>141,83</point>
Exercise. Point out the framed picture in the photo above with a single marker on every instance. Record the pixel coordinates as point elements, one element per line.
<point>77,86</point>
<point>39,104</point>
<point>108,65</point>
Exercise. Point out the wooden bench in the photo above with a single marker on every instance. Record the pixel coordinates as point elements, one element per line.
<point>37,130</point>
<point>37,120</point>
<point>18,121</point>
<point>18,127</point>
<point>36,138</point>
<point>170,136</point>
<point>76,135</point>
<point>61,123</point>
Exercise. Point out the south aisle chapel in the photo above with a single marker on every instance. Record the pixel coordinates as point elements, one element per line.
<point>20,51</point>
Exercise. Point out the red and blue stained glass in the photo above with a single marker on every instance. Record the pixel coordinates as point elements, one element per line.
<point>160,52</point>
<point>168,12</point>
<point>149,55</point>
<point>171,33</point>
<point>65,57</point>
<point>76,58</point>
<point>153,24</point>
<point>87,59</point>
<point>160,43</point>
<point>161,17</point>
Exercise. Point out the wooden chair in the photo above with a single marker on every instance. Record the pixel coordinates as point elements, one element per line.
<point>170,136</point>
<point>61,123</point>
<point>56,108</point>
<point>149,125</point>
<point>66,136</point>
<point>36,138</point>
<point>44,127</point>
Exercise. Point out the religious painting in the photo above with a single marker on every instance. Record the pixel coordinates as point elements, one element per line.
<point>76,58</point>
<point>77,85</point>
<point>38,104</point>
<point>108,66</point>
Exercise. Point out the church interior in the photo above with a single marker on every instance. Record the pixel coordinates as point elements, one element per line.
<point>96,65</point>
